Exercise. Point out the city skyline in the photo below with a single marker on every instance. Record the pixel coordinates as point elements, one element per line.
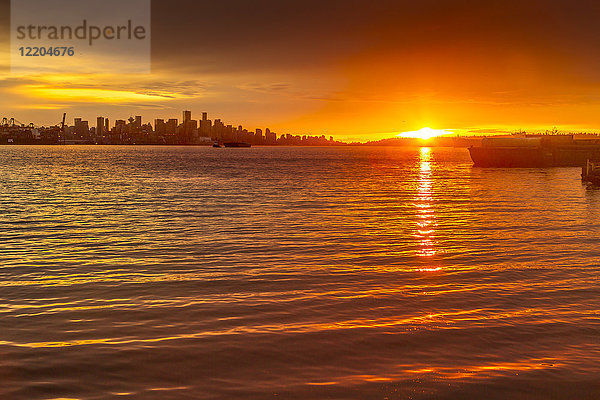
<point>135,130</point>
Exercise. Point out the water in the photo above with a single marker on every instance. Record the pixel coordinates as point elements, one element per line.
<point>294,273</point>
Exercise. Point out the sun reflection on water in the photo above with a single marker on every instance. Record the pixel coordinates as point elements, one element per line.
<point>425,230</point>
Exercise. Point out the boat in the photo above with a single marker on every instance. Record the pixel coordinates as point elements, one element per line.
<point>217,144</point>
<point>591,173</point>
<point>533,151</point>
<point>237,144</point>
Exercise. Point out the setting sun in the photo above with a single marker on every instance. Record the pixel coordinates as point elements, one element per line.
<point>424,133</point>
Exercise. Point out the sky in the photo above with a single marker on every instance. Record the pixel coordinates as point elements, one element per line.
<point>354,69</point>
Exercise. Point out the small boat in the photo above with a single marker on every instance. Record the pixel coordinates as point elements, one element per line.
<point>217,144</point>
<point>591,173</point>
<point>237,144</point>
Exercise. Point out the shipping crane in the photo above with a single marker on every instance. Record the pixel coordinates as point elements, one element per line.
<point>62,130</point>
<point>8,123</point>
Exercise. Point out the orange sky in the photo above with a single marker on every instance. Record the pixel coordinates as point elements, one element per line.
<point>364,70</point>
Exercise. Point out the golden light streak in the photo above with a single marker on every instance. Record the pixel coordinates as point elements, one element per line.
<point>425,232</point>
<point>91,94</point>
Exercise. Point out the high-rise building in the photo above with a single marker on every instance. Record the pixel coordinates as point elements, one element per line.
<point>172,126</point>
<point>204,116</point>
<point>100,126</point>
<point>270,137</point>
<point>120,126</point>
<point>138,121</point>
<point>218,129</point>
<point>205,127</point>
<point>160,127</point>
<point>187,128</point>
<point>82,128</point>
<point>258,136</point>
<point>100,130</point>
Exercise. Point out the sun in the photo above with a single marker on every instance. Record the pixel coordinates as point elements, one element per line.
<point>424,133</point>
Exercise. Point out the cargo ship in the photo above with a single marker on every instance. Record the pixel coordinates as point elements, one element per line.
<point>534,152</point>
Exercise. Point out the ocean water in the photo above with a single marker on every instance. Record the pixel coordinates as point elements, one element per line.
<point>294,273</point>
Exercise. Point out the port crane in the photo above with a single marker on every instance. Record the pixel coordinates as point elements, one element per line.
<point>8,123</point>
<point>15,124</point>
<point>61,135</point>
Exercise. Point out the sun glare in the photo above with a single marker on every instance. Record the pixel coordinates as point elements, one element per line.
<point>424,133</point>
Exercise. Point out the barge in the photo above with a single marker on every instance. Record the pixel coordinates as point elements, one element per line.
<point>237,144</point>
<point>534,152</point>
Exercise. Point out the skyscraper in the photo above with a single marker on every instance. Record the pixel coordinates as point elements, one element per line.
<point>187,116</point>
<point>81,128</point>
<point>160,127</point>
<point>100,127</point>
<point>171,126</point>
